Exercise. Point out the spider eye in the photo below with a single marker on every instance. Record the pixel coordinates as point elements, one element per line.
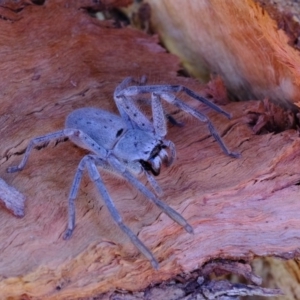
<point>119,132</point>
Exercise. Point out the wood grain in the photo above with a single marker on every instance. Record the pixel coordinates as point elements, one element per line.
<point>56,59</point>
<point>241,41</point>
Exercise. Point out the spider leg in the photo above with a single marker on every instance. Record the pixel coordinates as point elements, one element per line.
<point>164,91</point>
<point>130,91</point>
<point>72,197</point>
<point>76,135</point>
<point>128,110</point>
<point>174,215</point>
<point>160,126</point>
<point>159,121</point>
<point>127,106</point>
<point>169,144</point>
<point>201,117</point>
<point>137,118</point>
<point>154,184</point>
<point>90,161</point>
<point>168,117</point>
<point>205,101</point>
<point>41,140</point>
<point>124,84</point>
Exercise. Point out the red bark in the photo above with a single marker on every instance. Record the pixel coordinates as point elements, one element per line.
<point>55,59</point>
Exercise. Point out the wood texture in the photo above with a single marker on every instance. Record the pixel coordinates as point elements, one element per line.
<point>12,199</point>
<point>55,59</point>
<point>283,274</point>
<point>238,40</point>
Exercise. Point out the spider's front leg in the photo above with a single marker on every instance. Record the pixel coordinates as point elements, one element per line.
<point>173,214</point>
<point>89,162</point>
<point>124,100</point>
<point>201,117</point>
<point>72,197</point>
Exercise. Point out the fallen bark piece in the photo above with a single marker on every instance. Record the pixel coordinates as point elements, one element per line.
<point>223,290</point>
<point>283,274</point>
<point>12,199</point>
<point>232,267</point>
<point>269,117</point>
<point>200,285</point>
<point>250,44</point>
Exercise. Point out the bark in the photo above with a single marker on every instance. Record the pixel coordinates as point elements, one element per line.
<point>283,274</point>
<point>56,58</point>
<point>252,44</point>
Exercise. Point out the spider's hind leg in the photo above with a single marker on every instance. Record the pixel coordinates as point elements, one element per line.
<point>38,141</point>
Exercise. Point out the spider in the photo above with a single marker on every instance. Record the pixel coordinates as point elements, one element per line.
<point>129,145</point>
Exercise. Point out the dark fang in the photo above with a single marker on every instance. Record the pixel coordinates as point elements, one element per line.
<point>148,167</point>
<point>155,151</point>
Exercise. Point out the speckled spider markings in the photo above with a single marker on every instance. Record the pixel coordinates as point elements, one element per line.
<point>128,145</point>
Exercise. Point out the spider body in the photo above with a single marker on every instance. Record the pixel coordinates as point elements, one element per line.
<point>128,145</point>
<point>135,148</point>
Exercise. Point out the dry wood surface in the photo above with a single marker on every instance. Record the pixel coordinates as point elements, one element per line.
<point>252,44</point>
<point>56,58</point>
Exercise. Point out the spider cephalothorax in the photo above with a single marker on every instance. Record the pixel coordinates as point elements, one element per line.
<point>128,145</point>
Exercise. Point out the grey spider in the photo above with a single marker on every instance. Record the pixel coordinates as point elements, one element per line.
<point>128,145</point>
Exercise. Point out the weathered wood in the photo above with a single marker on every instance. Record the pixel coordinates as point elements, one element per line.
<point>55,59</point>
<point>12,199</point>
<point>239,40</point>
<point>283,274</point>
<point>253,45</point>
<point>201,285</point>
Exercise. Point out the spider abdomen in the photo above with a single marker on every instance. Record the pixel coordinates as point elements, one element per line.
<point>103,127</point>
